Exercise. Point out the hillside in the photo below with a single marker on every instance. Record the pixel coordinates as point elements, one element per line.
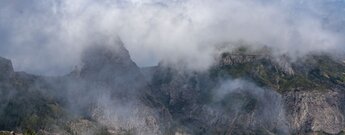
<point>244,93</point>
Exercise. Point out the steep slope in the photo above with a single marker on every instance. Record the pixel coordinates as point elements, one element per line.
<point>108,95</point>
<point>260,95</point>
<point>25,102</point>
<point>312,89</point>
<point>119,90</point>
<point>245,93</point>
<point>6,69</point>
<point>202,104</point>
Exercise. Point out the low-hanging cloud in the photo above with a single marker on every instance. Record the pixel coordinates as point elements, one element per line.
<point>48,37</point>
<point>269,109</point>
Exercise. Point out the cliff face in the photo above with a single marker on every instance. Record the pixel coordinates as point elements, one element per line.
<point>6,69</point>
<point>315,111</point>
<point>109,69</point>
<point>243,94</point>
<point>200,104</point>
<point>117,92</point>
<point>312,89</point>
<point>107,95</point>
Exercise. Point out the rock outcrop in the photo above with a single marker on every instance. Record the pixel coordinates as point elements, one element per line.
<point>110,94</point>
<point>6,69</point>
<point>111,66</point>
<point>194,102</point>
<point>315,111</point>
<point>121,90</point>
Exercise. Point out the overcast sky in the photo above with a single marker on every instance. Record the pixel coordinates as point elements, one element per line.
<point>47,36</point>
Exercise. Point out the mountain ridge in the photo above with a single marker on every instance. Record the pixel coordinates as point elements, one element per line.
<point>239,95</point>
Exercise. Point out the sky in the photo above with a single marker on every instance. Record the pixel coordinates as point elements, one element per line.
<point>48,36</point>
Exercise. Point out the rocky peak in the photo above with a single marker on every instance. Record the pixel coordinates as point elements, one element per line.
<point>236,58</point>
<point>111,66</point>
<point>282,63</point>
<point>103,61</point>
<point>6,69</point>
<point>94,57</point>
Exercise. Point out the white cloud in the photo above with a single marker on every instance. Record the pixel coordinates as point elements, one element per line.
<point>46,35</point>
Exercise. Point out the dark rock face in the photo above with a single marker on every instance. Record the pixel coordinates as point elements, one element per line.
<point>6,69</point>
<point>117,91</point>
<point>26,103</point>
<point>230,59</point>
<point>110,94</point>
<point>197,107</point>
<point>105,63</point>
<point>111,65</point>
<point>312,89</point>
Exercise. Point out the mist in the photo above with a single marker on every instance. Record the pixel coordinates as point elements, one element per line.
<point>81,53</point>
<point>241,97</point>
<point>47,37</point>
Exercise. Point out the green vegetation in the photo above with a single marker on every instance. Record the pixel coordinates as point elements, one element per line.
<point>29,132</point>
<point>314,73</point>
<point>31,111</point>
<point>27,108</point>
<point>5,133</point>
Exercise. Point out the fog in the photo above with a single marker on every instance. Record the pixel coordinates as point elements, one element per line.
<point>47,37</point>
<point>239,94</point>
<point>51,37</point>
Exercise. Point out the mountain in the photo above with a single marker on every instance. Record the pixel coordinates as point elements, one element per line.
<point>244,93</point>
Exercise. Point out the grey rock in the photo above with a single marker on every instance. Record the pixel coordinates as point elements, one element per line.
<point>315,111</point>
<point>6,69</point>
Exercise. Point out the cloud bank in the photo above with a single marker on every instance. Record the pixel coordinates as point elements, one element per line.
<point>47,37</point>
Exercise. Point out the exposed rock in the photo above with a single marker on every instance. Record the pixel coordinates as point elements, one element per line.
<point>9,133</point>
<point>233,58</point>
<point>111,65</point>
<point>188,96</point>
<point>86,127</point>
<point>134,118</point>
<point>315,111</point>
<point>282,63</point>
<point>109,94</point>
<point>109,69</point>
<point>6,69</point>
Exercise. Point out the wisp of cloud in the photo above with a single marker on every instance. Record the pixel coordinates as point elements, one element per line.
<point>47,37</point>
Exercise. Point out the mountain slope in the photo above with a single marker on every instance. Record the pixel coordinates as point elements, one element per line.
<point>245,93</point>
